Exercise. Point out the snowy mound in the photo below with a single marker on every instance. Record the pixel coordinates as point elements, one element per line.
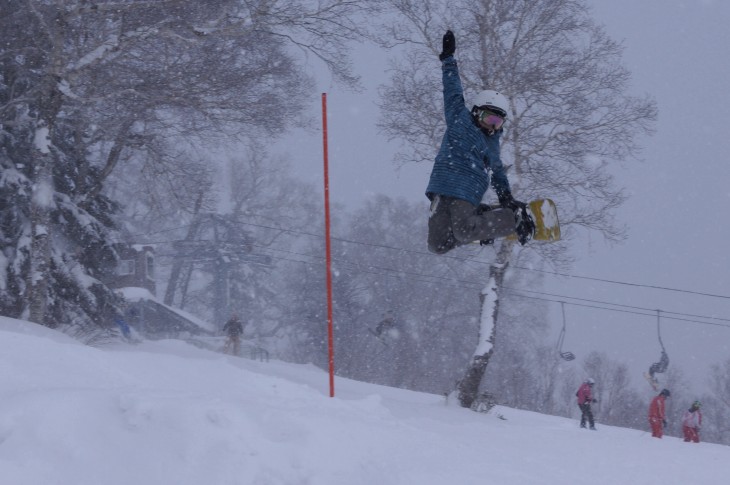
<point>21,326</point>
<point>169,413</point>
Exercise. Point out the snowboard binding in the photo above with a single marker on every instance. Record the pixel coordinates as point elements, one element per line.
<point>524,224</point>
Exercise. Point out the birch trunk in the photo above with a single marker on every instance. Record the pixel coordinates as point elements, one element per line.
<point>468,386</point>
<point>49,104</point>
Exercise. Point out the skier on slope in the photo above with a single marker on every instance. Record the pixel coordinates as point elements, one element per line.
<point>658,414</point>
<point>470,149</point>
<point>585,399</point>
<point>233,330</point>
<point>691,423</point>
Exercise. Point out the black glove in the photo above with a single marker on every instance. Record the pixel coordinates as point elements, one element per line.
<point>508,202</point>
<point>664,423</point>
<point>449,45</point>
<point>594,401</point>
<point>525,226</point>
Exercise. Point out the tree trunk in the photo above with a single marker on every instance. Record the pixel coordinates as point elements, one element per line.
<point>49,105</point>
<point>40,253</point>
<point>468,386</point>
<point>220,292</point>
<point>111,162</point>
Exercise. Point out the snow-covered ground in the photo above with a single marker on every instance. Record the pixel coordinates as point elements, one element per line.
<point>168,413</point>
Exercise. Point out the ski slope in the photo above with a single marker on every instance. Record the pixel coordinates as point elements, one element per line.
<point>166,412</point>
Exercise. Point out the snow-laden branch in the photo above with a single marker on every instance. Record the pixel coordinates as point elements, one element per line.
<point>113,44</point>
<point>101,7</point>
<point>107,46</point>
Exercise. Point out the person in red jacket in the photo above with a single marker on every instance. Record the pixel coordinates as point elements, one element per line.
<point>585,398</point>
<point>691,422</point>
<point>657,414</point>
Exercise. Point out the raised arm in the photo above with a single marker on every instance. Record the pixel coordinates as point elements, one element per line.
<point>453,91</point>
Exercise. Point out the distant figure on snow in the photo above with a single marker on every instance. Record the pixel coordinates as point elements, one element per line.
<point>658,414</point>
<point>385,324</point>
<point>691,423</point>
<point>233,329</point>
<point>585,399</point>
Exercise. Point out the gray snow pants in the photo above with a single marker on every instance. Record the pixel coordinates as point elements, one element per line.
<point>455,222</point>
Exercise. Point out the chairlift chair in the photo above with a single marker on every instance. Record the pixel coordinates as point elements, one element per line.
<point>661,366</point>
<point>567,355</point>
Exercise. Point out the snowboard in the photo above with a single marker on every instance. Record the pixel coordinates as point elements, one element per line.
<point>545,215</point>
<point>379,337</point>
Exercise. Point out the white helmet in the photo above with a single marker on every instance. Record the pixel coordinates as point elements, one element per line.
<point>493,100</point>
<point>590,381</point>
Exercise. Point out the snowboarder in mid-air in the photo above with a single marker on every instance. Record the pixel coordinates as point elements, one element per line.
<point>470,150</point>
<point>657,368</point>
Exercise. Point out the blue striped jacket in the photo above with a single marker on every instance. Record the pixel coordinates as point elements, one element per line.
<point>466,152</point>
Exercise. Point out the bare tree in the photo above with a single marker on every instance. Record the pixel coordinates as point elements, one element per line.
<point>720,384</point>
<point>566,404</point>
<point>612,386</point>
<point>716,405</point>
<point>428,298</point>
<point>235,247</point>
<point>571,114</point>
<point>378,271</point>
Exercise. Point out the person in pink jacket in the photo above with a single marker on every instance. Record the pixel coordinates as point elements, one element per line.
<point>658,414</point>
<point>691,422</point>
<point>585,398</point>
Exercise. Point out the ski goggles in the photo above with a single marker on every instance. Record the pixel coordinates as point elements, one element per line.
<point>487,118</point>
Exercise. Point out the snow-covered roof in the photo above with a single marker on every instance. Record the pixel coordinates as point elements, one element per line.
<point>135,294</point>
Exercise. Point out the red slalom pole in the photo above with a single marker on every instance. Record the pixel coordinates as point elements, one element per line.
<point>328,250</point>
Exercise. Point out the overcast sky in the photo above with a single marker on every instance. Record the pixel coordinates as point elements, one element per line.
<point>679,53</point>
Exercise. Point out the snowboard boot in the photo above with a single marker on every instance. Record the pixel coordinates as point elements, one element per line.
<point>524,225</point>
